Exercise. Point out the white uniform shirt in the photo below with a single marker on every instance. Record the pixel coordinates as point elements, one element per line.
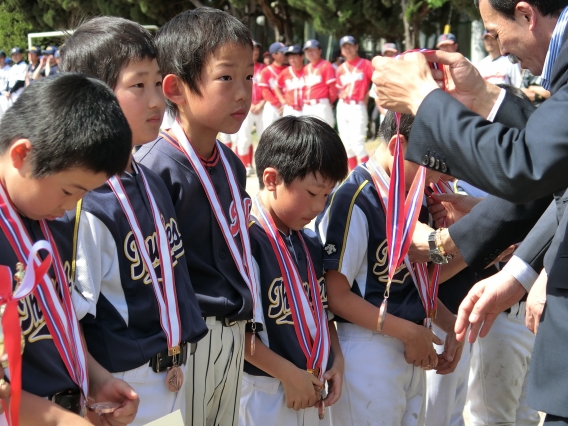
<point>500,71</point>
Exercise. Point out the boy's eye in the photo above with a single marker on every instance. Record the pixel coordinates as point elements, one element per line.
<point>311,194</point>
<point>226,78</point>
<point>249,77</point>
<point>159,84</point>
<point>66,192</point>
<point>139,85</point>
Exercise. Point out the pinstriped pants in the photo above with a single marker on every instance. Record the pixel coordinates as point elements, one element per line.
<point>213,384</point>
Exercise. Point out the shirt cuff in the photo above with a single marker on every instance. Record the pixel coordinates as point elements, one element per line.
<point>522,272</point>
<point>497,105</point>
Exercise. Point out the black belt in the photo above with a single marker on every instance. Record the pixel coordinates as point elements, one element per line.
<point>162,361</point>
<point>69,399</point>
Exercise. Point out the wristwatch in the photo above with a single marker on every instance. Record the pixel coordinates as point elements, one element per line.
<point>436,255</point>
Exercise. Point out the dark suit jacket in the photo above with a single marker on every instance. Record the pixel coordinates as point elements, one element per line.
<point>520,166</point>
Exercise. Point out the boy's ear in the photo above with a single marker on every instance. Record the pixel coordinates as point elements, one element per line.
<point>392,144</point>
<point>172,87</point>
<point>19,152</point>
<point>270,178</point>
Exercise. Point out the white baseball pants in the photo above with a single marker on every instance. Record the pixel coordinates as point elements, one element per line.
<point>499,366</point>
<point>352,120</point>
<point>244,135</point>
<point>379,387</point>
<point>321,110</point>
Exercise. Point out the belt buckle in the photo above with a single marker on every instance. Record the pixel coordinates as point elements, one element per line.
<point>229,323</point>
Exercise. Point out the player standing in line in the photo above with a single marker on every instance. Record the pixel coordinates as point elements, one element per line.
<point>353,80</point>
<point>208,87</point>
<point>141,315</point>
<point>320,90</point>
<point>254,117</point>
<point>42,174</point>
<point>4,68</point>
<point>16,76</point>
<point>273,106</point>
<point>495,68</point>
<point>299,160</point>
<point>290,83</point>
<point>383,379</point>
<point>33,71</point>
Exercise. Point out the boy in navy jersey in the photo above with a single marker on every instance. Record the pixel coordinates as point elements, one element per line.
<point>205,56</point>
<point>299,161</point>
<point>44,170</point>
<point>383,379</point>
<point>141,314</point>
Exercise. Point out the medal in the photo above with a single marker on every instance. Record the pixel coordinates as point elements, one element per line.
<point>174,378</point>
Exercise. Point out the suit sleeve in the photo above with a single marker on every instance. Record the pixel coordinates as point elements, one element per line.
<point>492,226</point>
<point>518,165</point>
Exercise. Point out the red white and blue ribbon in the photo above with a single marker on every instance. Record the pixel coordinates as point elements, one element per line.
<point>310,319</point>
<point>164,288</point>
<point>55,301</point>
<point>242,261</point>
<point>11,329</point>
<point>402,214</point>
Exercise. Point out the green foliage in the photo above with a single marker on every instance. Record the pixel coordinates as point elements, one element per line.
<point>14,29</point>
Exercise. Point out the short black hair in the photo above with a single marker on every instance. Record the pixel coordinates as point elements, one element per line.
<point>388,127</point>
<point>78,123</point>
<point>297,146</point>
<point>189,39</point>
<point>103,46</point>
<point>545,7</point>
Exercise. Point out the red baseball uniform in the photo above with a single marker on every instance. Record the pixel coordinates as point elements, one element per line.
<point>256,88</point>
<point>292,83</point>
<point>320,81</point>
<point>268,81</point>
<point>354,78</point>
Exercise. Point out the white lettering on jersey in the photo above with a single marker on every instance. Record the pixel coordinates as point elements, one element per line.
<point>351,78</point>
<point>294,83</point>
<point>313,79</point>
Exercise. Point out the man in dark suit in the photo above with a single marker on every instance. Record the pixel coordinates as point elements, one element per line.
<point>518,165</point>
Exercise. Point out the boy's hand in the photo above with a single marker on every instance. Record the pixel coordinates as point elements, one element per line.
<point>299,389</point>
<point>419,347</point>
<point>448,360</point>
<point>334,377</point>
<point>116,390</point>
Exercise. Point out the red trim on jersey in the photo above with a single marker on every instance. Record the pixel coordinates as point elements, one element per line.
<point>292,83</point>
<point>320,81</point>
<point>354,79</point>
<point>268,81</point>
<point>256,89</point>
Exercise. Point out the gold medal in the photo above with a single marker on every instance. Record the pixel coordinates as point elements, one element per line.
<point>382,315</point>
<point>174,378</point>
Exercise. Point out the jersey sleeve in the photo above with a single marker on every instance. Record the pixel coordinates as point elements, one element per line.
<point>344,231</point>
<point>258,314</point>
<point>96,262</point>
<point>281,81</point>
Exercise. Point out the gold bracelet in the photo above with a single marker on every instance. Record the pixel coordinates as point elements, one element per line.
<point>438,241</point>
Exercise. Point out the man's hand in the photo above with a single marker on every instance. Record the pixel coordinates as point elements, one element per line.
<point>487,299</point>
<point>402,84</point>
<point>116,390</point>
<point>464,82</point>
<point>536,301</point>
<point>451,207</point>
<point>419,251</point>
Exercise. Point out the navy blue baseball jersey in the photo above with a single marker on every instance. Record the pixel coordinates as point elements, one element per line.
<point>272,307</point>
<point>353,232</point>
<point>121,320</point>
<point>220,288</point>
<point>43,370</point>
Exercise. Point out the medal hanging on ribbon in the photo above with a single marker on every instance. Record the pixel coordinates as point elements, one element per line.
<point>166,291</point>
<point>310,319</point>
<point>428,286</point>
<point>401,212</point>
<point>242,261</point>
<point>12,337</point>
<point>55,301</point>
